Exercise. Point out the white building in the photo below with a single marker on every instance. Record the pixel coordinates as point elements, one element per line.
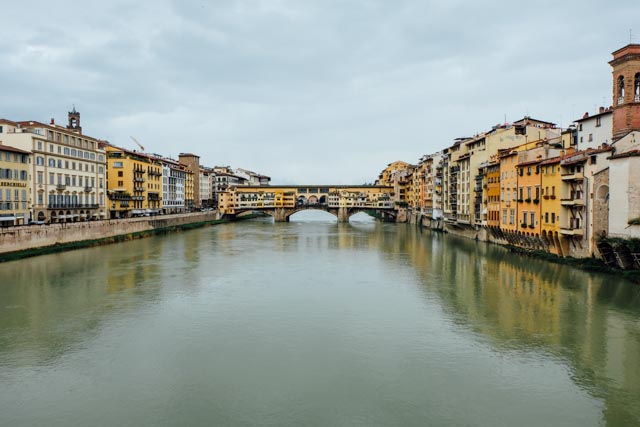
<point>593,131</point>
<point>174,177</point>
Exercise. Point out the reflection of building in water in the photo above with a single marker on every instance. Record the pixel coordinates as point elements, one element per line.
<point>527,304</point>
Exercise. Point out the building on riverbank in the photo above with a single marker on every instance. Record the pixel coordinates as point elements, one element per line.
<point>68,171</point>
<point>534,185</point>
<point>15,191</point>
<point>134,182</point>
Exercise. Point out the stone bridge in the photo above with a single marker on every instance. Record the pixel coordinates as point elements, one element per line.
<point>281,202</point>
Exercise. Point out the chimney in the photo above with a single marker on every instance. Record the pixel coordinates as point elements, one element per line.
<point>585,115</point>
<point>53,122</point>
<point>601,110</point>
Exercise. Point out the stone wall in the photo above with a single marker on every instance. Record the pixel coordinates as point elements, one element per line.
<point>13,239</point>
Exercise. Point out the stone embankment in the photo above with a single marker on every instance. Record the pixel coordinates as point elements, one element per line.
<point>19,242</point>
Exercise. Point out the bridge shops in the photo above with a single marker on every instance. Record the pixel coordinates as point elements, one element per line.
<point>283,201</point>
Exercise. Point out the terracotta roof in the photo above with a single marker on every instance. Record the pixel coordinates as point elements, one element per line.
<point>12,149</point>
<point>630,153</point>
<point>529,163</point>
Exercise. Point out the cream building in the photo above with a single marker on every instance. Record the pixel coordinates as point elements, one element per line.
<point>68,172</point>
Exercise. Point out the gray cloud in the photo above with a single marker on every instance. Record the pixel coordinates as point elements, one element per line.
<point>314,91</point>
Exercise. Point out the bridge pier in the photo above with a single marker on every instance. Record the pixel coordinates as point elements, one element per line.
<point>281,215</point>
<point>343,215</point>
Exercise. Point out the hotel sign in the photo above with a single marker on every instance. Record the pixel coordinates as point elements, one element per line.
<point>12,184</point>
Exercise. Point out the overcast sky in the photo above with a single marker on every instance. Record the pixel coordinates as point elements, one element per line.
<point>322,91</point>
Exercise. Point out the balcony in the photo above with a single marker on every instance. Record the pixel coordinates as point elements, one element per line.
<point>577,176</point>
<point>72,206</point>
<point>120,196</point>
<point>61,187</point>
<point>572,202</point>
<point>136,179</point>
<point>620,100</point>
<point>88,189</point>
<point>568,231</point>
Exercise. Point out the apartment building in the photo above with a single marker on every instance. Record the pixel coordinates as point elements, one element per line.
<point>15,186</point>
<point>68,171</point>
<point>192,190</point>
<point>135,182</point>
<point>174,176</point>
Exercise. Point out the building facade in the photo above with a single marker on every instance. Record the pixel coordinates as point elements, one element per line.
<point>68,172</point>
<point>15,186</point>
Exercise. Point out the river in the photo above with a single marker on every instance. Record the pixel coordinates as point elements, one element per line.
<point>314,323</point>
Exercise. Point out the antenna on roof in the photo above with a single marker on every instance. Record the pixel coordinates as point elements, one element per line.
<point>631,36</point>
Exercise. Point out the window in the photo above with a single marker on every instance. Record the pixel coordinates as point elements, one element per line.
<point>512,216</point>
<point>40,161</point>
<point>40,145</point>
<point>636,88</point>
<point>590,137</point>
<point>117,164</point>
<point>51,178</point>
<point>528,192</point>
<point>620,89</point>
<point>524,218</point>
<point>533,219</point>
<point>120,174</point>
<point>553,217</point>
<point>546,217</point>
<point>592,160</point>
<point>40,177</point>
<point>598,122</point>
<point>120,183</point>
<point>52,163</point>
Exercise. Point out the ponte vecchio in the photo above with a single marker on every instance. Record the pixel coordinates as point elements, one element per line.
<point>283,201</point>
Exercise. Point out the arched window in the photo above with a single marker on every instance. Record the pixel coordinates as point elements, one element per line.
<point>636,87</point>
<point>620,89</point>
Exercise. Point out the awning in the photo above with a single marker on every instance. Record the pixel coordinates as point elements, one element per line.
<point>8,218</point>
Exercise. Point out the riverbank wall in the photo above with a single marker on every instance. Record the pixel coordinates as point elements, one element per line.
<point>21,242</point>
<point>622,261</point>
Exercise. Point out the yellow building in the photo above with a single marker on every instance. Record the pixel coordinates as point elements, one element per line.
<point>134,183</point>
<point>189,189</point>
<point>386,176</point>
<point>550,205</point>
<point>15,191</point>
<point>529,182</point>
<point>492,180</point>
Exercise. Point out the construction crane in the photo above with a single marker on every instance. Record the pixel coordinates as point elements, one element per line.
<point>136,141</point>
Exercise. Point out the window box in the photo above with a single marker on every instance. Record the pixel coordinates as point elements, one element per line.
<point>520,200</point>
<point>523,225</point>
<point>532,226</point>
<point>536,201</point>
<point>527,200</point>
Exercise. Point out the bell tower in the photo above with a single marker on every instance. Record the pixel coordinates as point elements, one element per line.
<point>626,90</point>
<point>74,121</point>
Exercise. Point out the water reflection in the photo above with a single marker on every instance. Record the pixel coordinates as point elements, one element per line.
<point>255,283</point>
